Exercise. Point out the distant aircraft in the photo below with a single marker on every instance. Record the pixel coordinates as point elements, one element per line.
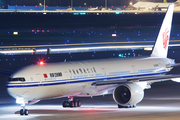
<point>126,77</point>
<point>153,5</point>
<point>92,9</point>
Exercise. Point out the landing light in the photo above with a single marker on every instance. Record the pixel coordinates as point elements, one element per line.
<point>20,100</point>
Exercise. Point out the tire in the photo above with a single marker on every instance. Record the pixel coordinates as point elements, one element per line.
<point>64,104</point>
<point>26,112</point>
<point>21,112</point>
<point>120,106</point>
<point>78,103</point>
<point>75,103</point>
<point>131,106</point>
<point>134,106</point>
<point>71,104</point>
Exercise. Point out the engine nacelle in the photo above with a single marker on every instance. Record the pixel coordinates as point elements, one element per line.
<point>128,94</point>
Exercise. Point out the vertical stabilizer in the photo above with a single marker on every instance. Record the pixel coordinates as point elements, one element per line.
<point>162,41</point>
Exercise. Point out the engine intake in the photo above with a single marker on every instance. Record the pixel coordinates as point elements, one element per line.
<point>128,94</point>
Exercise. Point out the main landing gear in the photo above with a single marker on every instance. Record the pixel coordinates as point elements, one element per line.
<point>130,106</point>
<point>71,103</point>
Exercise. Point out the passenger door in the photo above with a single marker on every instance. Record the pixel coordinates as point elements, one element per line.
<point>104,73</point>
<point>134,71</point>
<point>39,79</point>
<point>66,77</point>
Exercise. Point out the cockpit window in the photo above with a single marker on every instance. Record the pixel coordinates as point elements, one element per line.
<point>17,79</point>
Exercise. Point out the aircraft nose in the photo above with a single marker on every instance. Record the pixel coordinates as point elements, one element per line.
<point>9,89</point>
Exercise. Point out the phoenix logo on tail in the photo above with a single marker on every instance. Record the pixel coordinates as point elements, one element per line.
<point>165,38</point>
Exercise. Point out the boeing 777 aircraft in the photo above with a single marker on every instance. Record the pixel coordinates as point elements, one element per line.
<point>126,77</point>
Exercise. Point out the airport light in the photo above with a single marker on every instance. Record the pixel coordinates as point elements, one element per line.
<point>114,35</point>
<point>130,4</point>
<point>15,33</point>
<point>148,48</point>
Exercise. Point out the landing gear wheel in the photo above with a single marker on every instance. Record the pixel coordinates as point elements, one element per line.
<point>75,103</point>
<point>130,106</point>
<point>78,103</point>
<point>24,112</point>
<point>71,104</point>
<point>133,106</point>
<point>21,112</point>
<point>65,104</point>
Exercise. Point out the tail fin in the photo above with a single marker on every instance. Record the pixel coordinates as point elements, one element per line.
<point>162,41</point>
<point>178,1</point>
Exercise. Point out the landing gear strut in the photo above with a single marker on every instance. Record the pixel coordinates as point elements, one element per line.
<point>71,103</point>
<point>23,110</point>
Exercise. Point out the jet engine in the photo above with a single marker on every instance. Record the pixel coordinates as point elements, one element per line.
<point>128,94</point>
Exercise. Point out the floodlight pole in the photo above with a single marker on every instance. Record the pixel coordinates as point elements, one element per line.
<point>105,4</point>
<point>71,3</point>
<point>44,5</point>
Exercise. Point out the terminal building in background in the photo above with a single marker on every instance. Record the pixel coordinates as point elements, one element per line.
<point>83,3</point>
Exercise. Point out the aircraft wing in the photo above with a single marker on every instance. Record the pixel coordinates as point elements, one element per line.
<point>173,65</point>
<point>138,79</point>
<point>6,72</point>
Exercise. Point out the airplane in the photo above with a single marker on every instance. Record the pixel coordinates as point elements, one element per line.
<point>153,5</point>
<point>124,78</point>
<point>92,9</point>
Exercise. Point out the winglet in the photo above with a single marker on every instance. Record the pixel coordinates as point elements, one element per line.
<point>162,42</point>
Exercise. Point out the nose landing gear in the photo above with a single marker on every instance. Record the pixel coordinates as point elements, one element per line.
<point>24,112</point>
<point>22,101</point>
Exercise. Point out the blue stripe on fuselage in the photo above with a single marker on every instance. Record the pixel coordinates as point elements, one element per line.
<point>79,81</point>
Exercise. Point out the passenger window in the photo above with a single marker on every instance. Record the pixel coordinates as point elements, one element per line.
<point>94,69</point>
<point>88,70</point>
<point>74,71</point>
<point>84,70</point>
<point>70,72</point>
<point>91,70</point>
<point>80,70</point>
<point>77,71</point>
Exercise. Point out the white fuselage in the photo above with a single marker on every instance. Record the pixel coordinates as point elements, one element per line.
<point>54,80</point>
<point>150,5</point>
